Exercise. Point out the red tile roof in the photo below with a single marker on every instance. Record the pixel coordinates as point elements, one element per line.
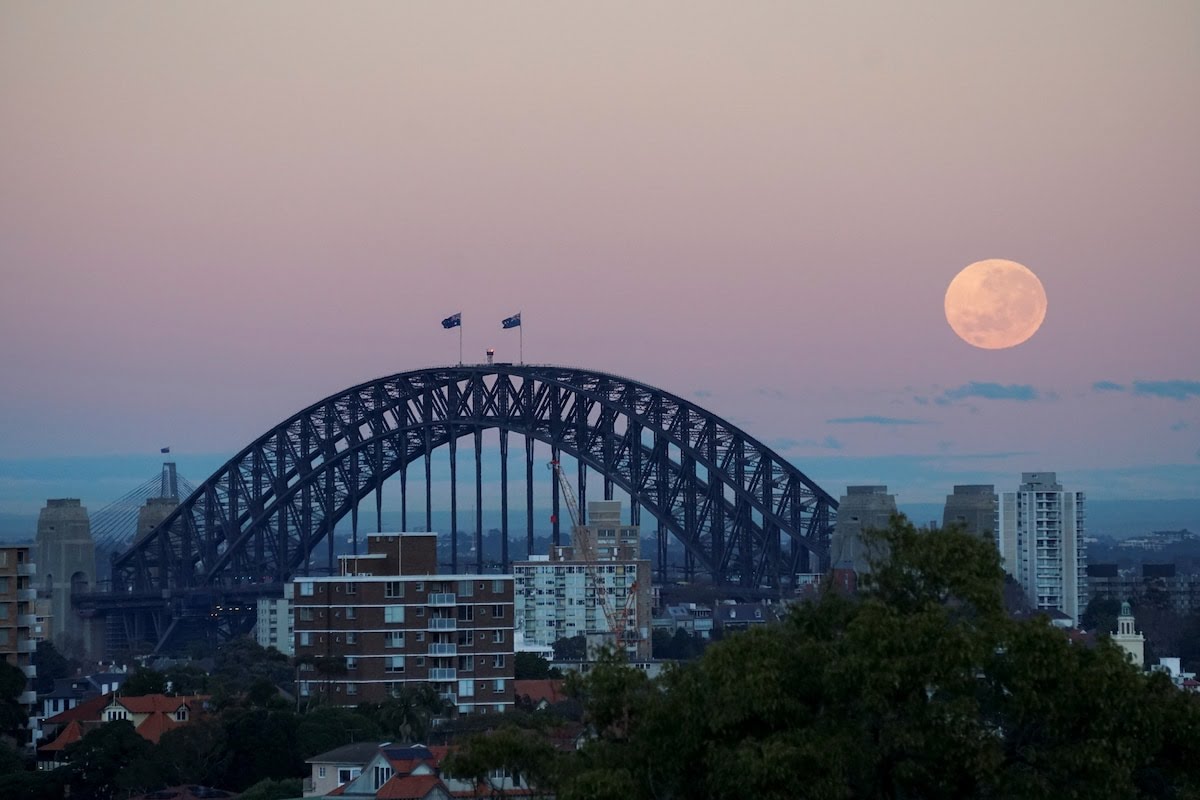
<point>155,725</point>
<point>89,709</point>
<point>409,787</point>
<point>546,689</point>
<point>72,733</point>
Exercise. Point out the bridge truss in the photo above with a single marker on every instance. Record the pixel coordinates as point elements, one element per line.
<point>743,514</point>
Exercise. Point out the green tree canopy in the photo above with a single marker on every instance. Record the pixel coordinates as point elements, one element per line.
<point>920,686</point>
<point>530,667</point>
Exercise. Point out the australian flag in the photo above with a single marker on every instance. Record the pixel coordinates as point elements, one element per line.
<point>453,321</point>
<point>511,322</point>
<point>164,450</point>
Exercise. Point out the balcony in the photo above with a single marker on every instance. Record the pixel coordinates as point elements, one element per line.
<point>26,620</point>
<point>28,595</point>
<point>27,698</point>
<point>442,624</point>
<point>439,649</point>
<point>30,671</point>
<point>443,674</point>
<point>26,568</point>
<point>442,599</point>
<point>26,646</point>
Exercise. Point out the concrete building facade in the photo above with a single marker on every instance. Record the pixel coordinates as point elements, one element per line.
<point>66,555</point>
<point>1041,543</point>
<point>588,588</point>
<point>862,508</point>
<point>17,618</point>
<point>392,621</point>
<point>975,508</point>
<point>276,622</point>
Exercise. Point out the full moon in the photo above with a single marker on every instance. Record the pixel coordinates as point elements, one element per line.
<point>995,304</point>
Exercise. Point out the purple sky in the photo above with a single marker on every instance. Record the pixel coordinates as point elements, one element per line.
<point>213,214</point>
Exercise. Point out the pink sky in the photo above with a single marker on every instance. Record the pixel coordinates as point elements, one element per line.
<point>213,214</point>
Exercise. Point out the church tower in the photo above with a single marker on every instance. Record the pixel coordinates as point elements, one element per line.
<point>1127,639</point>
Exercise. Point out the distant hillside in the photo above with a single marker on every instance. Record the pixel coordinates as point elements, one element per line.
<point>1114,518</point>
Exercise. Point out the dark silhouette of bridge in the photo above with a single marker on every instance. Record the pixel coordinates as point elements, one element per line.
<point>744,515</point>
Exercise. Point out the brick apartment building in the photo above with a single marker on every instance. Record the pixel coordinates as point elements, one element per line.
<point>395,621</point>
<point>18,623</point>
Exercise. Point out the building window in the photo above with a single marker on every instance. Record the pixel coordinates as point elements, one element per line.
<point>394,639</point>
<point>497,637</point>
<point>393,614</point>
<point>497,611</point>
<point>420,636</point>
<point>306,614</point>
<point>466,663</point>
<point>351,688</point>
<point>181,715</point>
<point>351,588</point>
<point>393,589</point>
<point>320,772</point>
<point>305,638</point>
<point>420,611</point>
<point>497,587</point>
<point>466,688</point>
<point>351,637</point>
<point>464,638</point>
<point>351,662</point>
<point>306,588</point>
<point>498,685</point>
<point>351,612</point>
<point>466,613</point>
<point>393,664</point>
<point>381,776</point>
<point>465,589</point>
<point>346,775</point>
<point>498,661</point>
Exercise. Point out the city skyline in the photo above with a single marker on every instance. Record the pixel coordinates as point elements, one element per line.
<point>214,216</point>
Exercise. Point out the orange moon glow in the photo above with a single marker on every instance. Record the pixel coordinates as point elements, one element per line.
<point>995,304</point>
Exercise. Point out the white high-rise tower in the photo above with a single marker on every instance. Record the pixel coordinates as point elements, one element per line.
<point>1041,543</point>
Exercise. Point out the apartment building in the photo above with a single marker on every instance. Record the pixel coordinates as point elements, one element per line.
<point>388,620</point>
<point>17,619</point>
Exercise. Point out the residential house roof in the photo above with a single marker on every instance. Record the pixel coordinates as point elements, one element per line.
<point>356,753</point>
<point>88,709</point>
<point>545,690</point>
<point>410,787</point>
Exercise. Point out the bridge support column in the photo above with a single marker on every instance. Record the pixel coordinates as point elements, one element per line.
<point>503,500</point>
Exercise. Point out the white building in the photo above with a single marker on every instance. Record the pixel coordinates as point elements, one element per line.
<point>1041,543</point>
<point>276,622</point>
<point>557,600</point>
<point>1129,639</point>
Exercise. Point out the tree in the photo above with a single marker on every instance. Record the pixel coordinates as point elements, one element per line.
<point>51,666</point>
<point>144,681</point>
<point>530,666</point>
<point>920,686</point>
<point>520,754</point>
<point>328,727</point>
<point>268,789</point>
<point>1101,615</point>
<point>573,648</point>
<point>196,753</point>
<point>111,761</point>
<point>408,714</point>
<point>263,743</point>
<point>12,715</point>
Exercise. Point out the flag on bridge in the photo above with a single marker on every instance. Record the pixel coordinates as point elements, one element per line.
<point>164,450</point>
<point>453,321</point>
<point>511,322</point>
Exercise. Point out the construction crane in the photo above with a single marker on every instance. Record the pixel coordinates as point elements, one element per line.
<point>618,620</point>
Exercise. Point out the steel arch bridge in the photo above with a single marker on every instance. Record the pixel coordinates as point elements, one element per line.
<point>743,514</point>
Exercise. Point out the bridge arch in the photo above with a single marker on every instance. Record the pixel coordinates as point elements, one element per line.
<point>742,512</point>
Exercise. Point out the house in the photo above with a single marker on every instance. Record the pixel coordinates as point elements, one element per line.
<point>399,772</point>
<point>151,716</point>
<point>338,767</point>
<point>539,694</point>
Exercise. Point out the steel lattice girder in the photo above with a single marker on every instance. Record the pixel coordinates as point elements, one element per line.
<point>727,497</point>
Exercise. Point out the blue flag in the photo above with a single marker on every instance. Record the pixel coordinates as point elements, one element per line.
<point>511,322</point>
<point>164,450</point>
<point>453,321</point>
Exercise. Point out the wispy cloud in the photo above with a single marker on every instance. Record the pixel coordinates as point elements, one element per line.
<point>702,394</point>
<point>767,391</point>
<point>876,420</point>
<point>1181,425</point>
<point>785,444</point>
<point>1108,386</point>
<point>1176,390</point>
<point>1020,392</point>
